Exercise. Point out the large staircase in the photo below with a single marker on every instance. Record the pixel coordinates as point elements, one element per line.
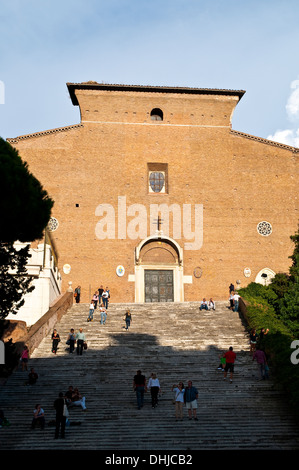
<point>176,341</point>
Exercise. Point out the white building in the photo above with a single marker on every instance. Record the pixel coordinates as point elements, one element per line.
<point>46,280</point>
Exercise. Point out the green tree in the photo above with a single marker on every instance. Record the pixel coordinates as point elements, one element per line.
<point>25,209</point>
<point>289,304</point>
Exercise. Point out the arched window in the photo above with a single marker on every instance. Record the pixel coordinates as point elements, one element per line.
<point>156,114</point>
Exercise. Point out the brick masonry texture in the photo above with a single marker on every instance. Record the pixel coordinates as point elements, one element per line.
<point>240,180</point>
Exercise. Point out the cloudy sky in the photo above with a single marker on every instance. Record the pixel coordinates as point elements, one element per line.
<point>242,45</point>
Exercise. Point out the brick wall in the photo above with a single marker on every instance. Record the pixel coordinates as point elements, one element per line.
<point>240,181</point>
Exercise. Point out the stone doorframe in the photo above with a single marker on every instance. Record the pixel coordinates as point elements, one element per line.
<point>178,272</point>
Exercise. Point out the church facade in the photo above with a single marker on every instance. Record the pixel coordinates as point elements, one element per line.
<point>158,198</point>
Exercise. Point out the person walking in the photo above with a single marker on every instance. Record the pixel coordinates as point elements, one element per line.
<point>80,338</point>
<point>191,397</point>
<point>25,358</point>
<point>154,387</point>
<point>95,299</point>
<point>77,294</point>
<point>230,357</point>
<point>253,340</point>
<point>91,311</point>
<point>231,301</point>
<point>71,340</point>
<point>236,298</point>
<point>105,296</point>
<point>128,319</point>
<point>139,386</point>
<point>179,391</point>
<point>60,418</point>
<point>103,314</point>
<point>55,341</point>
<point>260,357</point>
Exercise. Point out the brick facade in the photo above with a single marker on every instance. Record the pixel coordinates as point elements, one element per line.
<point>237,181</point>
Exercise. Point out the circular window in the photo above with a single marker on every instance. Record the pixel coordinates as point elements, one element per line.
<point>264,228</point>
<point>157,181</point>
<point>52,224</point>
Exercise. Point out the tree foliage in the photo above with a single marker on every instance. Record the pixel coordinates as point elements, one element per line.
<point>25,212</point>
<point>282,294</point>
<point>25,206</point>
<point>14,278</point>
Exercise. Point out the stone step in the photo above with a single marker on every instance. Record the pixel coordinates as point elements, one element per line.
<point>177,341</point>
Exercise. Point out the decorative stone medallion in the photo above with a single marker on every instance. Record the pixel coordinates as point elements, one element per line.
<point>120,271</point>
<point>67,269</point>
<point>247,272</point>
<point>197,272</point>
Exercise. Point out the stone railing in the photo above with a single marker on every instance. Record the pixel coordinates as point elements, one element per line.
<point>243,309</point>
<point>35,334</point>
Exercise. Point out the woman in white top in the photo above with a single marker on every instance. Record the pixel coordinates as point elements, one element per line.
<point>154,386</point>
<point>179,392</point>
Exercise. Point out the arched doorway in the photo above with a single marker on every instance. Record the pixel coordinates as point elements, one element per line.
<point>158,270</point>
<point>265,276</point>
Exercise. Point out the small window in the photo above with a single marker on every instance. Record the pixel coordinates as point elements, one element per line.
<point>157,181</point>
<point>157,178</point>
<point>156,114</point>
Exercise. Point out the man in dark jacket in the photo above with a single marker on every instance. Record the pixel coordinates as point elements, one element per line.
<point>60,418</point>
<point>191,396</point>
<point>139,385</point>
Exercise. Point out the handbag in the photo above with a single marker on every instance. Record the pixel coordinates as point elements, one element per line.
<point>68,342</point>
<point>84,345</point>
<point>65,410</point>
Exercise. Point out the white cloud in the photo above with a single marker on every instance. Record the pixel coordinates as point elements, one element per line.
<point>287,137</point>
<point>290,136</point>
<point>292,105</point>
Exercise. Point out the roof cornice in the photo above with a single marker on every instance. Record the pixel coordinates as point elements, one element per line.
<point>147,89</point>
<point>265,141</point>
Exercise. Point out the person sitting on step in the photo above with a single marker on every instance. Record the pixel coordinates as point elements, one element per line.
<point>203,304</point>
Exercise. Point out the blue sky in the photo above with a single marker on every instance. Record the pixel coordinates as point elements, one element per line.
<point>234,44</point>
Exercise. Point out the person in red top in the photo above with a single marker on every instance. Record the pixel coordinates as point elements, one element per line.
<point>230,357</point>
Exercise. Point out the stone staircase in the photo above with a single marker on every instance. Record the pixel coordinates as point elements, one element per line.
<point>176,341</point>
